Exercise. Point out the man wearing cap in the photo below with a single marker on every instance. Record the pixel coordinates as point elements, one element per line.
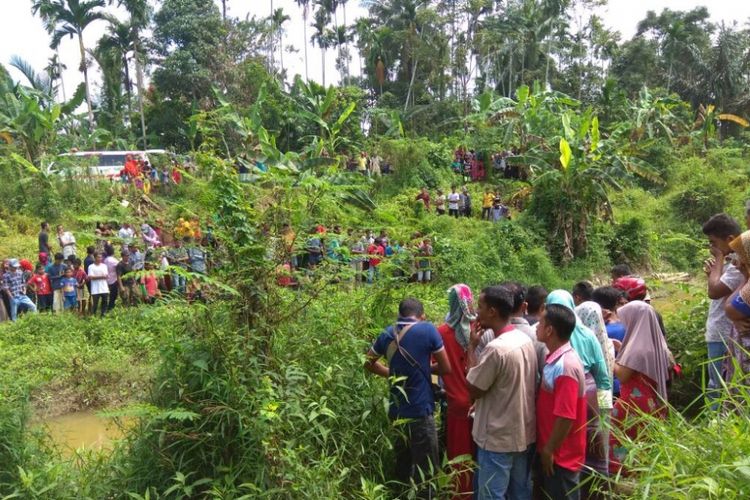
<point>14,287</point>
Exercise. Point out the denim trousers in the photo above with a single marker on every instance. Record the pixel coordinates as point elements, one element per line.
<point>503,475</point>
<point>20,300</point>
<point>717,351</point>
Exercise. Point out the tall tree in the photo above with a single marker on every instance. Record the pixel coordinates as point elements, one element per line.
<point>71,18</point>
<point>277,25</point>
<point>305,5</point>
<point>322,37</point>
<point>140,16</point>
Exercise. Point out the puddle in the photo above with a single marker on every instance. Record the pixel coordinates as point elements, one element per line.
<point>82,430</point>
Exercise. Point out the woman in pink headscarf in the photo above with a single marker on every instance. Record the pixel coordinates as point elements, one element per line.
<point>455,333</point>
<point>643,369</point>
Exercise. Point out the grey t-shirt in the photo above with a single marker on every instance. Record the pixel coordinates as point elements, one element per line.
<point>718,326</point>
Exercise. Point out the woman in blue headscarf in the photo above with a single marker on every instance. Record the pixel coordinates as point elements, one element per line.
<point>598,379</point>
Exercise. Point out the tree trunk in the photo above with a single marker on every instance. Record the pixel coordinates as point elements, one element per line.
<point>60,71</point>
<point>128,89</point>
<point>323,51</point>
<point>346,46</point>
<point>139,84</point>
<point>86,80</point>
<point>304,31</point>
<point>411,84</point>
<point>224,9</point>
<point>270,48</point>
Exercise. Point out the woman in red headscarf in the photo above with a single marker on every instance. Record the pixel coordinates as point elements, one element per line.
<point>455,333</point>
<point>642,366</point>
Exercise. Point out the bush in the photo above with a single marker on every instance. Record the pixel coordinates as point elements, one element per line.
<point>630,243</point>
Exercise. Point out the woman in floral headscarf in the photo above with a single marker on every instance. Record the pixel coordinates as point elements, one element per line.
<point>455,334</point>
<point>597,454</point>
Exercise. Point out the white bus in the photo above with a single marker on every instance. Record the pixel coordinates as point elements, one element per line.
<point>101,164</point>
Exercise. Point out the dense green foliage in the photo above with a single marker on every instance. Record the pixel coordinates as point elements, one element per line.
<point>624,147</point>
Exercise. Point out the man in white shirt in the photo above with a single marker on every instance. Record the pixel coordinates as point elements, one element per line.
<point>453,200</point>
<point>723,279</point>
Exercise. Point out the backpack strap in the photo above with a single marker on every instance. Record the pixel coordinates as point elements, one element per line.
<point>395,344</point>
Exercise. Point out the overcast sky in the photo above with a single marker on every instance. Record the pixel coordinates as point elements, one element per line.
<point>22,34</point>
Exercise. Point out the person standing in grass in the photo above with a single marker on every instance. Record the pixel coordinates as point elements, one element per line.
<point>487,200</point>
<point>456,334</point>
<point>560,408</point>
<point>424,261</point>
<point>466,198</point>
<point>67,242</point>
<point>723,279</point>
<point>643,369</point>
<point>56,273</point>
<point>125,283</point>
<point>502,383</point>
<point>409,346</point>
<point>112,286</point>
<point>453,202</point>
<point>70,290</point>
<point>737,309</point>
<point>40,285</point>
<point>597,380</point>
<point>440,203</point>
<point>43,239</point>
<point>150,284</point>
<point>609,299</point>
<point>376,253</point>
<point>98,274</point>
<point>84,294</point>
<point>424,197</point>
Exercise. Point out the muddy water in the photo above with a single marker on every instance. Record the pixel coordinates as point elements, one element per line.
<point>82,429</point>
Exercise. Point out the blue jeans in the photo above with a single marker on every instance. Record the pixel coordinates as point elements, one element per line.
<point>503,475</point>
<point>179,283</point>
<point>20,300</point>
<point>717,351</point>
<point>372,273</point>
<point>71,302</point>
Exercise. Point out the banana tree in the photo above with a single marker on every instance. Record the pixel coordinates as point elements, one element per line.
<point>572,187</point>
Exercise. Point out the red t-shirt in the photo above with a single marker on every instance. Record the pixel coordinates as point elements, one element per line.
<point>41,284</point>
<point>456,387</point>
<point>562,395</point>
<point>375,250</point>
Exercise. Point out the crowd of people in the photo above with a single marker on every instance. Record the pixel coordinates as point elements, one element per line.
<point>459,204</point>
<point>528,379</point>
<point>143,176</point>
<point>535,382</point>
<point>364,252</point>
<point>369,165</point>
<point>136,266</point>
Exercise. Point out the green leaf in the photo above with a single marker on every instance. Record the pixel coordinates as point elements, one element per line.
<point>595,134</point>
<point>565,154</point>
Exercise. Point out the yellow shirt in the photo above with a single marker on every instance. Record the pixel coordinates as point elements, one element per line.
<point>487,200</point>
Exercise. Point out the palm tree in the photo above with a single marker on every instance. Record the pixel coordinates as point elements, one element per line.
<point>305,4</point>
<point>71,18</point>
<point>54,70</point>
<point>277,20</point>
<point>140,14</point>
<point>118,41</point>
<point>322,36</point>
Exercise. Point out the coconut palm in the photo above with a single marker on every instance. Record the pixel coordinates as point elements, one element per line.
<point>70,18</point>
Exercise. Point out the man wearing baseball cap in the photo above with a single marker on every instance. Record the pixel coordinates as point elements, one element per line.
<point>14,286</point>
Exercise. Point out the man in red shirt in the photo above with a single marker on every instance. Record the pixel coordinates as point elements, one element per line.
<point>376,253</point>
<point>560,407</point>
<point>456,333</point>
